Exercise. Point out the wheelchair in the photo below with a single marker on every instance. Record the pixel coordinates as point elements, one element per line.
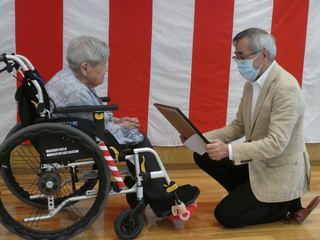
<point>57,173</point>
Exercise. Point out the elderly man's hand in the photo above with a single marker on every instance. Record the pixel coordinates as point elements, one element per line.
<point>128,122</point>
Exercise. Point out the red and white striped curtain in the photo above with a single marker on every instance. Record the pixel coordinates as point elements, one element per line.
<point>175,52</point>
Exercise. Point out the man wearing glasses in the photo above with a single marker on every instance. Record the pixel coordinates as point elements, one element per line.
<point>267,174</point>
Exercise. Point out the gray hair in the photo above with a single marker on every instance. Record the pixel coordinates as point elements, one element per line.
<point>259,40</point>
<point>86,49</point>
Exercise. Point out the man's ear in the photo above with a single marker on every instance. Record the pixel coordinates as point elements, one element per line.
<point>265,55</point>
<point>84,68</point>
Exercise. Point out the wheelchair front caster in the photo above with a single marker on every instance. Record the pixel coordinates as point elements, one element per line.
<point>128,225</point>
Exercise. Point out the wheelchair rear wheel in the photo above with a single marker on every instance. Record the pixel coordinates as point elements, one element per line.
<point>55,183</point>
<point>23,193</point>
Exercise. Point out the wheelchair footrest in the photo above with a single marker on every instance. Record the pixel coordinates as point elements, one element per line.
<point>115,187</point>
<point>92,174</point>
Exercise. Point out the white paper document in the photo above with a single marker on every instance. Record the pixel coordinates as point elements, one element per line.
<point>196,144</point>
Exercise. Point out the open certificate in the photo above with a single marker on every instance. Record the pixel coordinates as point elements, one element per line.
<point>195,140</point>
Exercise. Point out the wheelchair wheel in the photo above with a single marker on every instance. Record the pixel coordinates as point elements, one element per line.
<point>127,227</point>
<point>23,193</point>
<point>49,164</point>
<point>15,128</point>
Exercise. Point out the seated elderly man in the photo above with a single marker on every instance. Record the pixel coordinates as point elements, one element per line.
<point>74,86</point>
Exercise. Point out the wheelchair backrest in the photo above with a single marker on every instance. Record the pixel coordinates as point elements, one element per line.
<point>31,96</point>
<point>26,96</point>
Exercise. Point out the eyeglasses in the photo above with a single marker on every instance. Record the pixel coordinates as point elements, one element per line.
<point>242,58</point>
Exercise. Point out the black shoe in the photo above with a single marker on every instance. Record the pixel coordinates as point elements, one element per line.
<point>186,194</point>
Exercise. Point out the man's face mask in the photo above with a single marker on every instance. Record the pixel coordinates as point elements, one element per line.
<point>247,70</point>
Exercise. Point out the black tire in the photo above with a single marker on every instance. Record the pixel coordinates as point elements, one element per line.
<point>37,173</point>
<point>23,193</point>
<point>127,228</point>
<point>15,128</point>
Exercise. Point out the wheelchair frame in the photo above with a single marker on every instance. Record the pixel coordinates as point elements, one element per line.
<point>128,224</point>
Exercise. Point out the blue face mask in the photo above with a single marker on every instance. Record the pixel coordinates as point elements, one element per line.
<point>247,70</point>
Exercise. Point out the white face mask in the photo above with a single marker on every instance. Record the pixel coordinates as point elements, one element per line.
<point>247,70</point>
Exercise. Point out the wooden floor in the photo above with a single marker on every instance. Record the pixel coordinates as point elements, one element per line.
<point>202,225</point>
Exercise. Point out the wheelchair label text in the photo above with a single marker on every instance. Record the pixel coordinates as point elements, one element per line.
<point>60,151</point>
<point>71,123</point>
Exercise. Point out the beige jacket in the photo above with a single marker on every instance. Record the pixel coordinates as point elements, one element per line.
<point>279,166</point>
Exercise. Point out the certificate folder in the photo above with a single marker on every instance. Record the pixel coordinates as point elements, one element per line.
<point>195,140</point>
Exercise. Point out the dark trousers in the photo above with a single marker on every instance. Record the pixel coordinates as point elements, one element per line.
<point>154,188</point>
<point>240,207</point>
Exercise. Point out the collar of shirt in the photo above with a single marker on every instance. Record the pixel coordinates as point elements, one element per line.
<point>257,85</point>
<point>264,76</point>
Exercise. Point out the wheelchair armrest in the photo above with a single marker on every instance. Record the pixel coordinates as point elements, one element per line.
<point>105,99</point>
<point>86,108</point>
